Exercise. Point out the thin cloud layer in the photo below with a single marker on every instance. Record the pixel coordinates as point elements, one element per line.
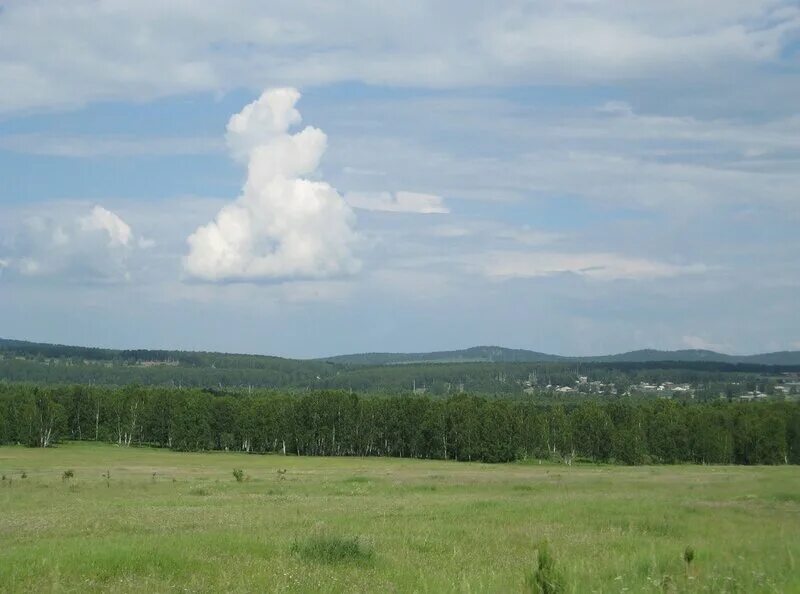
<point>86,146</point>
<point>698,342</point>
<point>599,266</point>
<point>66,58</point>
<point>404,202</point>
<point>282,226</point>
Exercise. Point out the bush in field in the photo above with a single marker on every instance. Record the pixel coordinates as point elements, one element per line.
<point>238,474</point>
<point>545,578</point>
<point>333,549</point>
<point>67,474</point>
<point>688,557</point>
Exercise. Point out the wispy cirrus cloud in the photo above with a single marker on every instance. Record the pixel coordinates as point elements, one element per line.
<point>505,265</point>
<point>622,158</point>
<point>115,146</point>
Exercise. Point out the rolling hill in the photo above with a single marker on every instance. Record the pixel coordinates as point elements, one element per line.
<point>478,354</point>
<point>493,354</point>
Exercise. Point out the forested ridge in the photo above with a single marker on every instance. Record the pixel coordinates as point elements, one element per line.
<point>443,379</point>
<point>57,364</point>
<point>461,427</point>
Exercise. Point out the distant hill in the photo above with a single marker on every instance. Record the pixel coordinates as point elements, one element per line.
<point>695,355</point>
<point>139,356</point>
<point>493,354</point>
<point>652,355</point>
<point>479,354</point>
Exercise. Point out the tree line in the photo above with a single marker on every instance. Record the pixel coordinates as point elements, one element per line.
<point>460,427</point>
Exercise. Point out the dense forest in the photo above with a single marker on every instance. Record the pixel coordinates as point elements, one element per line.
<point>459,427</point>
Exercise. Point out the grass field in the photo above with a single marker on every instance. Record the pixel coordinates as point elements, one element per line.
<point>167,521</point>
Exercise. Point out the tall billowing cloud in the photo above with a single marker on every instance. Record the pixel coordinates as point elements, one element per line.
<point>282,225</point>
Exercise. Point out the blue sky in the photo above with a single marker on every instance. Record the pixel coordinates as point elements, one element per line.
<point>577,178</point>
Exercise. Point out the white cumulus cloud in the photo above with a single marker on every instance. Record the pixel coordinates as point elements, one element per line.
<point>101,219</point>
<point>96,245</point>
<point>282,225</point>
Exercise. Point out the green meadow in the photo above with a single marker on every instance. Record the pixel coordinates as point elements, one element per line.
<point>150,520</point>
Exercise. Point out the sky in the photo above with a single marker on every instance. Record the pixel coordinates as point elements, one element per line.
<point>300,179</point>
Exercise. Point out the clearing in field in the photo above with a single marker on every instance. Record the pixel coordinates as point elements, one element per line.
<point>95,517</point>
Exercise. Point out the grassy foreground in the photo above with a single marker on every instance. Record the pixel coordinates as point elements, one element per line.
<point>169,521</point>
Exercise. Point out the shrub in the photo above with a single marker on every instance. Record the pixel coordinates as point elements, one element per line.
<point>688,557</point>
<point>238,474</point>
<point>333,549</point>
<point>545,579</point>
<point>23,475</point>
<point>67,474</point>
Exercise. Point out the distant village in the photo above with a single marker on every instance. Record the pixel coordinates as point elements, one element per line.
<point>786,387</point>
